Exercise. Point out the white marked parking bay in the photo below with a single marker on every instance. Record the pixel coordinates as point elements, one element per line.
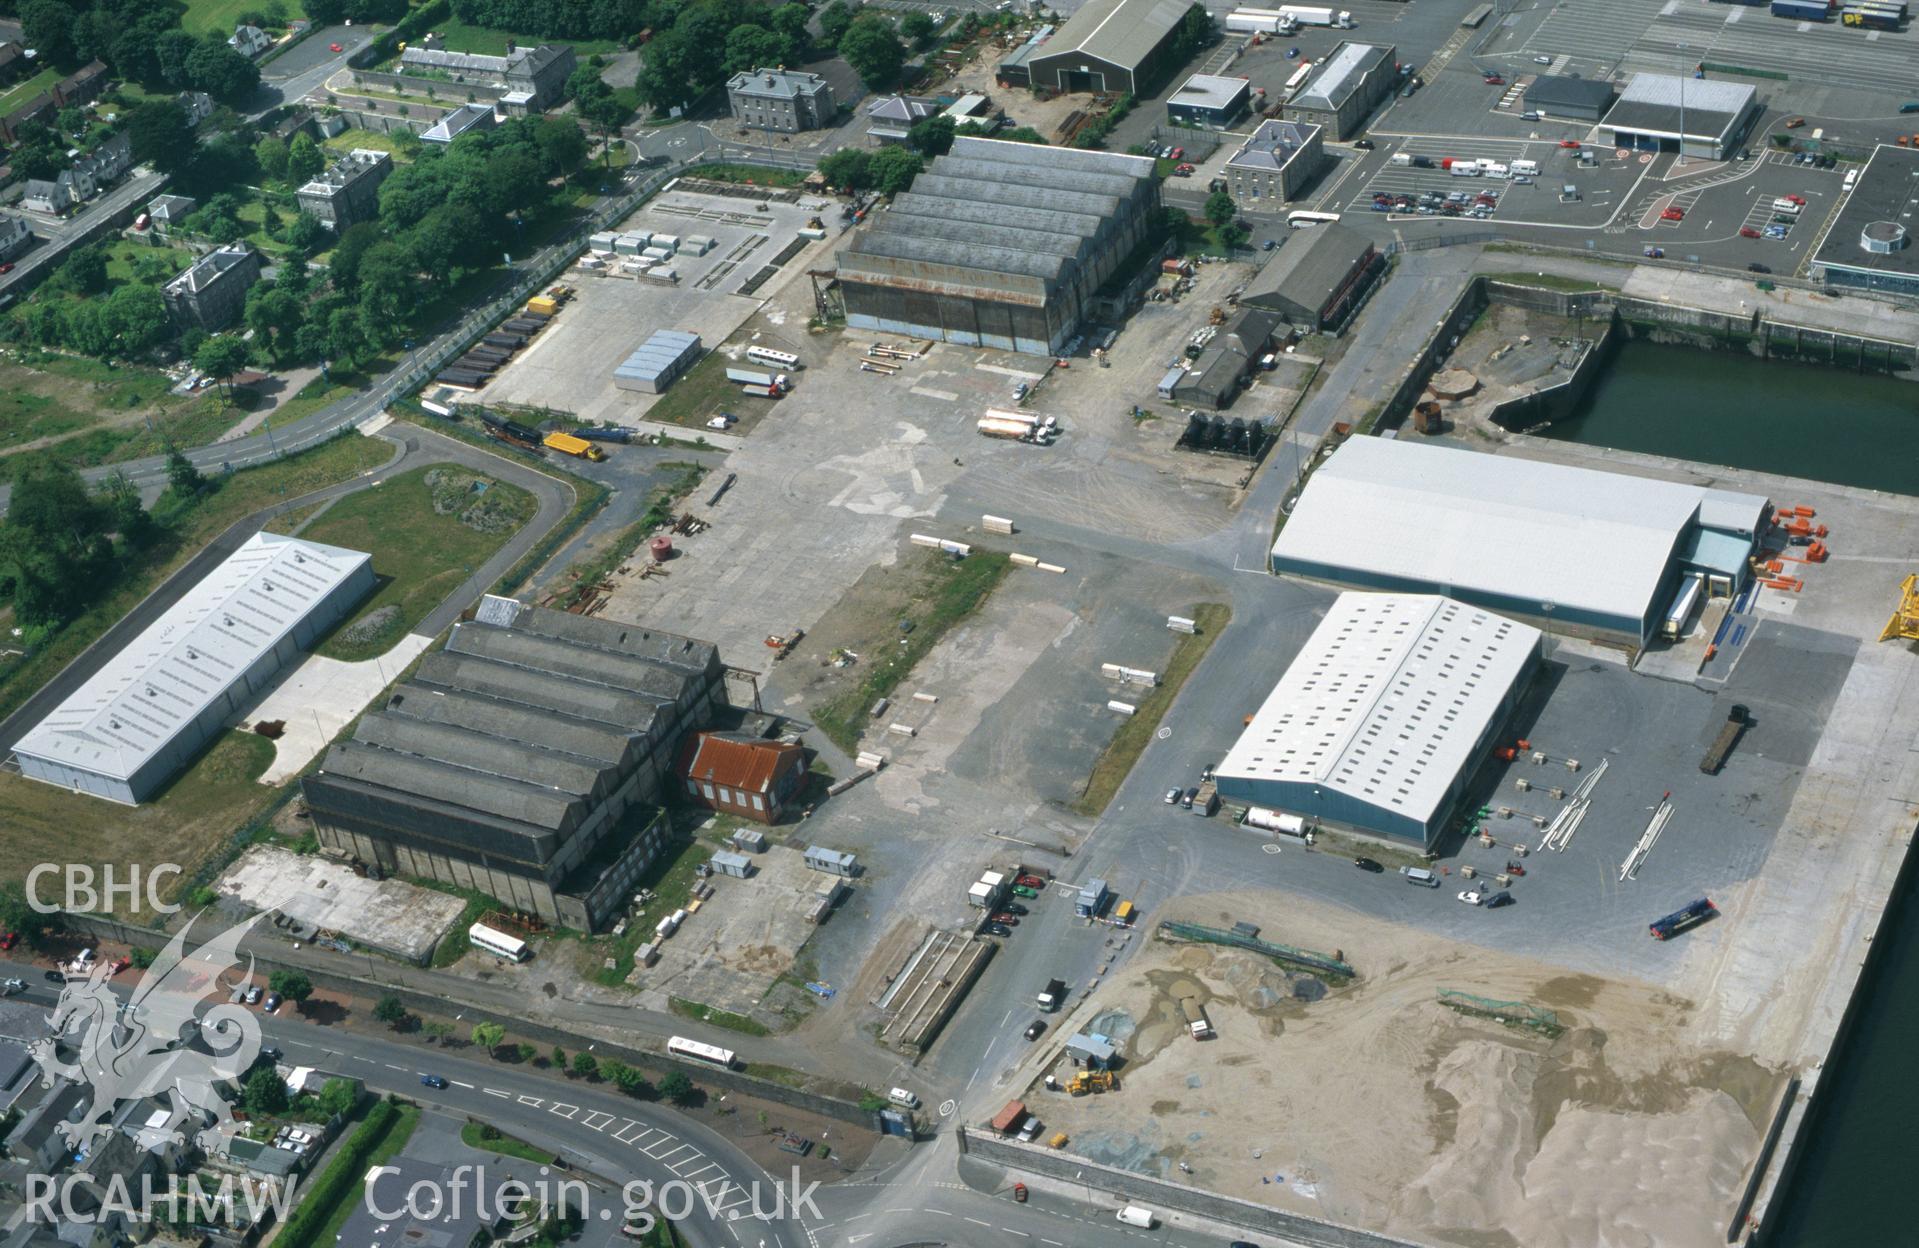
<point>563,1110</point>
<point>596,1120</point>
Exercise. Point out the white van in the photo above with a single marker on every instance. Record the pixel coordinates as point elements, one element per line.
<point>1525,166</point>
<point>1420,876</point>
<point>1133,1215</point>
<point>1852,175</point>
<point>903,1098</point>
<point>1786,206</point>
<point>1464,171</point>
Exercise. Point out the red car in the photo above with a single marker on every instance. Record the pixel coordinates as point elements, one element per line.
<point>334,47</point>
<point>1179,153</point>
<point>11,939</point>
<point>1494,80</point>
<point>1673,214</point>
<point>1030,881</point>
<point>6,268</point>
<point>1746,231</point>
<point>1011,920</point>
<point>120,964</point>
<point>1573,143</point>
<point>1797,199</point>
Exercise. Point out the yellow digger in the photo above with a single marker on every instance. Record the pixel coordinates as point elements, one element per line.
<point>1093,1081</point>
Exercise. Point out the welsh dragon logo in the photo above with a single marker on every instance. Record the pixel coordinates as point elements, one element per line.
<point>157,1043</point>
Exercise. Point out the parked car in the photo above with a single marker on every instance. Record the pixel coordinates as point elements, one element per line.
<point>999,929</point>
<point>1793,123</point>
<point>1522,180</point>
<point>1184,171</point>
<point>9,940</point>
<point>1179,153</point>
<point>1912,107</point>
<point>1758,268</point>
<point>1572,143</point>
<point>1292,54</point>
<point>1498,899</point>
<point>1797,199</point>
<point>253,995</point>
<point>1172,795</point>
<point>1020,890</point>
<point>1006,917</point>
<point>1653,253</point>
<point>86,957</point>
<point>9,987</point>
<point>1412,89</point>
<point>1363,145</point>
<point>1494,80</point>
<point>1746,231</point>
<point>1471,898</point>
<point>1775,231</point>
<point>271,1004</point>
<point>1205,773</point>
<point>1186,799</point>
<point>1013,907</point>
<point>1030,881</point>
<point>270,1053</point>
<point>433,1081</point>
<point>54,977</point>
<point>1673,214</point>
<point>1035,1029</point>
<point>1367,864</point>
<point>6,268</point>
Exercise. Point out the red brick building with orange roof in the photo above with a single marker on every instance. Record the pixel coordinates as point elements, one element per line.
<point>740,775</point>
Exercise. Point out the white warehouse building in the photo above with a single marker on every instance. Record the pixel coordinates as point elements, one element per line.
<point>146,713</point>
<point>1598,554</point>
<point>1384,716</point>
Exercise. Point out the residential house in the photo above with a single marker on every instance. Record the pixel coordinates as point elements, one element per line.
<point>197,105</point>
<point>18,1071</point>
<point>349,191</point>
<point>250,41</point>
<point>50,195</point>
<point>458,121</point>
<point>82,86</point>
<point>40,108</point>
<point>37,1138</point>
<point>890,117</point>
<point>15,236</point>
<point>211,293</point>
<point>741,775</point>
<point>786,101</point>
<point>168,211</point>
<point>531,80</point>
<point>103,165</point>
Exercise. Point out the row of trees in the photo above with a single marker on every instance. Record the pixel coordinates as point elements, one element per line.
<point>673,1086</point>
<point>705,42</point>
<point>563,19</point>
<point>140,41</point>
<point>59,543</point>
<point>889,171</point>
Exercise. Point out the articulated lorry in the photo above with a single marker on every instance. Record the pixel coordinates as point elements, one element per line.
<point>1317,17</point>
<point>761,385</point>
<point>567,444</point>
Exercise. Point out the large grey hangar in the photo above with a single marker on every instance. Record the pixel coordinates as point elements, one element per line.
<point>145,714</point>
<point>1384,715</point>
<point>1114,46</point>
<point>999,245</point>
<point>1599,554</point>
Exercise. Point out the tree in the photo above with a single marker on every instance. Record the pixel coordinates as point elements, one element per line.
<point>790,20</point>
<point>585,1065</point>
<point>343,265</point>
<point>1018,134</point>
<point>1220,208</point>
<point>71,121</point>
<point>220,357</point>
<point>221,72</point>
<point>918,27</point>
<point>755,47</point>
<point>525,1052</point>
<point>266,1092</point>
<point>558,1060</point>
<point>561,145</point>
<point>47,27</point>
<point>160,135</point>
<point>182,477</point>
<point>677,1088</point>
<point>873,48</point>
<point>129,519</point>
<point>1232,235</point>
<point>437,1031</point>
<point>390,1010</point>
<point>136,315</point>
<point>304,159</point>
<point>271,152</point>
<point>835,20</point>
<point>932,136</point>
<point>84,272</point>
<point>171,50</point>
<point>304,234</point>
<point>488,1036</point>
<point>142,957</point>
<point>848,169</point>
<point>293,985</point>
<point>893,169</point>
<point>347,340</point>
<point>338,1097</point>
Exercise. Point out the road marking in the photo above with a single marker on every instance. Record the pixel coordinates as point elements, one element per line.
<point>977,1222</point>
<point>604,1118</point>
<point>570,1110</point>
<point>663,1156</point>
<point>631,1125</point>
<point>391,1066</point>
<point>1010,1231</point>
<point>1054,1242</point>
<point>702,1170</point>
<point>456,1083</point>
<point>942,1212</point>
<point>496,1092</point>
<point>534,1101</point>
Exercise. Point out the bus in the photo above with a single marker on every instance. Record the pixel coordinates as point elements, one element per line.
<point>1301,220</point>
<point>1477,17</point>
<point>498,943</point>
<point>1298,79</point>
<point>773,359</point>
<point>705,1054</point>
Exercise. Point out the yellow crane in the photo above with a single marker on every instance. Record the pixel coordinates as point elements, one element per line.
<point>1905,619</point>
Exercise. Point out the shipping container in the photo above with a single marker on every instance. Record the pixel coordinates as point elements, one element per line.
<point>567,444</point>
<point>1802,10</point>
<point>542,304</point>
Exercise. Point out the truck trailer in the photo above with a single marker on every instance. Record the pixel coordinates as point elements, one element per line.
<point>567,444</point>
<point>774,384</point>
<point>1306,16</point>
<point>1803,10</point>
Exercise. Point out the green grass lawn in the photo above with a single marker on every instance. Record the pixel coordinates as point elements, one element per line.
<point>461,37</point>
<point>193,817</point>
<point>20,92</point>
<point>419,555</point>
<point>671,877</point>
<point>473,1135</point>
<point>1117,759</point>
<point>705,391</point>
<point>347,140</point>
<point>237,496</point>
<point>224,15</point>
<point>125,409</point>
<point>719,1018</point>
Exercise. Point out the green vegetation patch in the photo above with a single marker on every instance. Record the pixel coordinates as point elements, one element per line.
<point>671,876</point>
<point>490,1140</point>
<point>705,392</point>
<point>1117,759</point>
<point>27,88</point>
<point>719,1018</point>
<point>427,530</point>
<point>956,589</point>
<point>327,1201</point>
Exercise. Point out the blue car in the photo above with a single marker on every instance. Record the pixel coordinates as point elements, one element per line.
<point>433,1081</point>
<point>1292,54</point>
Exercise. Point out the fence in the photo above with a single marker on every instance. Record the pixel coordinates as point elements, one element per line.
<point>431,995</point>
<point>1131,1187</point>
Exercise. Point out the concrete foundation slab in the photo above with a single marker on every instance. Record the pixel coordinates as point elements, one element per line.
<point>393,917</point>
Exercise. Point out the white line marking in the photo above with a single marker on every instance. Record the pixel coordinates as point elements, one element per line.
<point>570,1110</point>
<point>604,1118</point>
<point>534,1101</point>
<point>977,1222</point>
<point>456,1083</point>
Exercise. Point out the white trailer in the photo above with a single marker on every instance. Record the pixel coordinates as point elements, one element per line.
<point>1307,16</point>
<point>1255,22</point>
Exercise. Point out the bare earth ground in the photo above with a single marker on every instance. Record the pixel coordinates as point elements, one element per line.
<point>1377,1106</point>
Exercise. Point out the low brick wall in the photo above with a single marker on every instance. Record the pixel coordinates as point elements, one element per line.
<point>1162,1196</point>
